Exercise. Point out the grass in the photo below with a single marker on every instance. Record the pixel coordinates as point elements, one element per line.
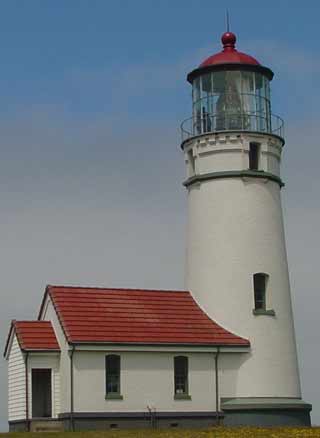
<point>217,432</point>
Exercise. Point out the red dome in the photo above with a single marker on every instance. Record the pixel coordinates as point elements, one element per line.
<point>229,54</point>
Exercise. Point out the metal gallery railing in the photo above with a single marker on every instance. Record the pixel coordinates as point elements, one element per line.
<point>225,121</point>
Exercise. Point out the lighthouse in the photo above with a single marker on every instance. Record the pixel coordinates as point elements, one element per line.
<point>236,262</point>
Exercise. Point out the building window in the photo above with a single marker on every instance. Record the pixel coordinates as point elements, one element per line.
<point>254,153</point>
<point>181,376</point>
<point>112,375</point>
<point>259,285</point>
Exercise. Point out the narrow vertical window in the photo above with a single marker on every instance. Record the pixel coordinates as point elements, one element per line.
<point>254,152</point>
<point>259,285</point>
<point>192,168</point>
<point>112,375</point>
<point>181,376</point>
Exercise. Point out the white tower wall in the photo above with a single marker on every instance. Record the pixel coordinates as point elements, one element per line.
<point>235,229</point>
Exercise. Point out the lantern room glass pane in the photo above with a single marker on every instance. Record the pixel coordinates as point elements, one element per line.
<point>267,88</point>
<point>248,92</point>
<point>233,82</point>
<point>218,82</point>
<point>206,102</point>
<point>196,106</point>
<point>262,103</point>
<point>196,89</point>
<point>206,85</point>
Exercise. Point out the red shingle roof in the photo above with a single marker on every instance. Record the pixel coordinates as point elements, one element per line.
<point>35,335</point>
<point>134,316</point>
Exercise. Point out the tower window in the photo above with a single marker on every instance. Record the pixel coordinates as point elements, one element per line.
<point>254,152</point>
<point>180,376</point>
<point>192,168</point>
<point>259,285</point>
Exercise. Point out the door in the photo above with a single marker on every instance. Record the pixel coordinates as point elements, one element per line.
<point>41,393</point>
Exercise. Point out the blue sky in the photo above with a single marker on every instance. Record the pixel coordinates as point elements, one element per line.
<point>50,49</point>
<point>91,97</point>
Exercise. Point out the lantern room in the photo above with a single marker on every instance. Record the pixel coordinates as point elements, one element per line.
<point>231,92</point>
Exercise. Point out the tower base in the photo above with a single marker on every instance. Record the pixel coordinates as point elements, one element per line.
<point>259,411</point>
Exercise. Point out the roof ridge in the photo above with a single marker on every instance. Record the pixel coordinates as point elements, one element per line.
<point>50,286</point>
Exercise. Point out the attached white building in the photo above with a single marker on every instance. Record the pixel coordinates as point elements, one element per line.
<point>223,352</point>
<point>99,358</point>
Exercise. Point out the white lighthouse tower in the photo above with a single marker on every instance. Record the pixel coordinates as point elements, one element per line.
<point>237,266</point>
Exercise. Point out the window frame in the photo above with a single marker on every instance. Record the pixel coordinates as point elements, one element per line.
<point>254,158</point>
<point>257,277</point>
<point>261,309</point>
<point>185,394</point>
<point>108,374</point>
<point>192,164</point>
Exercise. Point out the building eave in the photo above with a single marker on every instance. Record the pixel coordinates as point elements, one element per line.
<point>41,351</point>
<point>111,346</point>
<point>9,340</point>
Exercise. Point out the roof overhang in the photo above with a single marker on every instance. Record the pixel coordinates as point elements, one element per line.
<point>9,340</point>
<point>95,346</point>
<point>230,66</point>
